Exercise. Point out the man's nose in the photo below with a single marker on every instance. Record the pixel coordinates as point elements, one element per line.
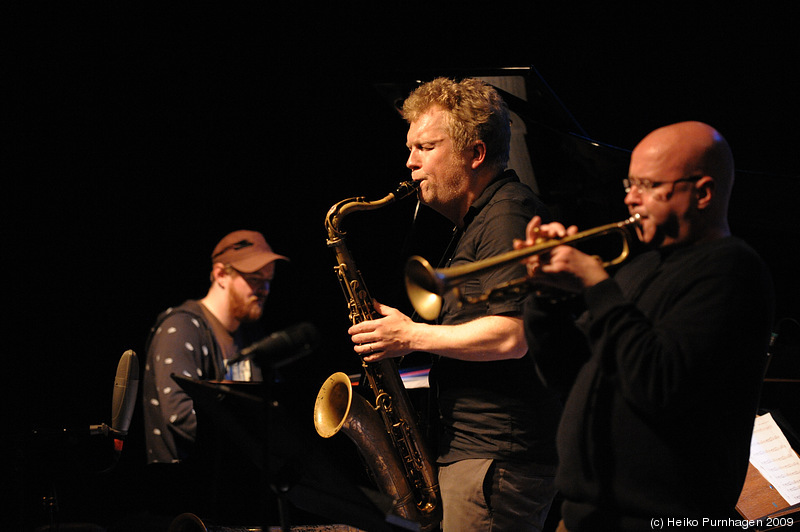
<point>633,197</point>
<point>412,162</point>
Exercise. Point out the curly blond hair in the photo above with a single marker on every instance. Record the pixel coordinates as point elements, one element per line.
<point>475,112</point>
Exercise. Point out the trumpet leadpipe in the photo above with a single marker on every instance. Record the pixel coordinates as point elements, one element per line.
<point>425,285</point>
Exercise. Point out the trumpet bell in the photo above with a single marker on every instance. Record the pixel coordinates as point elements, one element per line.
<point>423,286</point>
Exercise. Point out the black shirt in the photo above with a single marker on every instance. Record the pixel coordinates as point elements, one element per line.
<point>493,409</point>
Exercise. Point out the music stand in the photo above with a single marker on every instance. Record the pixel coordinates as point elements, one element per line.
<point>298,470</point>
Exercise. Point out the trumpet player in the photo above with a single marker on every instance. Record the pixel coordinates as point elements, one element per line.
<point>665,361</point>
<point>496,450</point>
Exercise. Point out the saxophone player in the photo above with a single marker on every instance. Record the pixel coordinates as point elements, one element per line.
<point>496,448</point>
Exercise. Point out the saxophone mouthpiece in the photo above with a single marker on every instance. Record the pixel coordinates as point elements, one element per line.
<point>406,188</point>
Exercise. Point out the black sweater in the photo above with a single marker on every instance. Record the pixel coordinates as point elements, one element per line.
<point>670,356</point>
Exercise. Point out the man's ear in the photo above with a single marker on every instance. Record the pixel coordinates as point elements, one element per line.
<point>704,190</point>
<point>477,153</point>
<point>218,272</point>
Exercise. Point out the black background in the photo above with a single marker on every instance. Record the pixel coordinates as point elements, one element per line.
<point>137,136</point>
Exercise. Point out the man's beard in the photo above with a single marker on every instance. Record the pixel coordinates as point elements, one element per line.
<point>443,192</point>
<point>245,310</point>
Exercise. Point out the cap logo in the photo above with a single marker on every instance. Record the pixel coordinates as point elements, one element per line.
<point>235,246</point>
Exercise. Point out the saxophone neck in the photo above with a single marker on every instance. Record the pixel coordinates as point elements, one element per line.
<point>340,210</point>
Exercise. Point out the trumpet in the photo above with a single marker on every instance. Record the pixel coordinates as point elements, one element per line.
<point>425,285</point>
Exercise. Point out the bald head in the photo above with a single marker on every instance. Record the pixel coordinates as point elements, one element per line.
<point>693,165</point>
<point>691,148</point>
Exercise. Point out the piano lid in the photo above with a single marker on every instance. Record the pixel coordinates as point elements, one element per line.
<point>577,177</point>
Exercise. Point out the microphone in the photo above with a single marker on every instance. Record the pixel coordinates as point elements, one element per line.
<point>286,346</point>
<point>126,386</point>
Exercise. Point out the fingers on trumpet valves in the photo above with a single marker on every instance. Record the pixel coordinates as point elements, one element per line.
<point>534,262</point>
<point>539,238</point>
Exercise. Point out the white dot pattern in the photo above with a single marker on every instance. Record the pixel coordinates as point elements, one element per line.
<point>180,346</point>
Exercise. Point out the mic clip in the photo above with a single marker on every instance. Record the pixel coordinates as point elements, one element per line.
<point>105,430</point>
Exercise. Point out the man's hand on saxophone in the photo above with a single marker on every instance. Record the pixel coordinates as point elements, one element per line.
<point>386,337</point>
<point>395,334</point>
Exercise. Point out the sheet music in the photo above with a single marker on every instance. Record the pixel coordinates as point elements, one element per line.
<point>415,377</point>
<point>412,378</point>
<point>773,456</point>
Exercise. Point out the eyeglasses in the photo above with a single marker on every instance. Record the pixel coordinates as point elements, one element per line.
<point>255,280</point>
<point>646,186</point>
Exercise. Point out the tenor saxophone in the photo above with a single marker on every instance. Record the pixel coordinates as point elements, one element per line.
<point>386,433</point>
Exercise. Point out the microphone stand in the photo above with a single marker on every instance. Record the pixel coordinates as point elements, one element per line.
<point>271,405</point>
<point>54,444</point>
<point>48,449</point>
<point>270,368</point>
